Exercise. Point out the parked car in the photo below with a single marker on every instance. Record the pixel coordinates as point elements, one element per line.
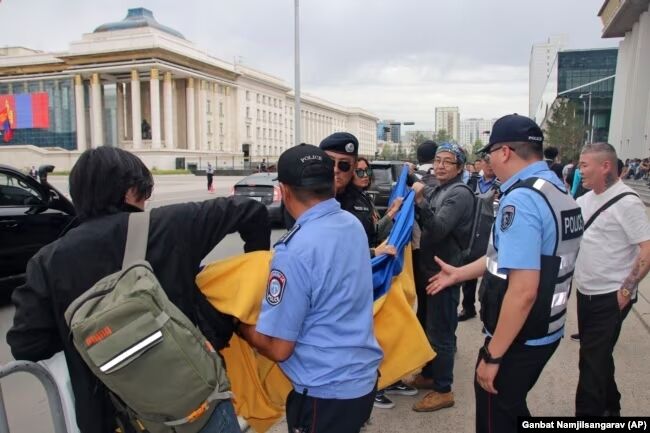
<point>384,176</point>
<point>32,214</point>
<point>263,188</point>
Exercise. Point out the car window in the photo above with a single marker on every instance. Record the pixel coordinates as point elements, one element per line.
<point>381,175</point>
<point>15,192</point>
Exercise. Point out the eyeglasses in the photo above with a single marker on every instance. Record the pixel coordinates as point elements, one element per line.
<point>362,172</point>
<point>494,149</point>
<point>342,165</point>
<point>445,162</point>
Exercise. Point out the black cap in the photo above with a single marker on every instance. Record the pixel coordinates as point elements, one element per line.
<point>305,165</point>
<point>341,142</point>
<point>426,151</point>
<point>512,128</point>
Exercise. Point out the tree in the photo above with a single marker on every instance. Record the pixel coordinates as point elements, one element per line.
<point>387,152</point>
<point>478,145</point>
<point>565,130</point>
<point>442,136</point>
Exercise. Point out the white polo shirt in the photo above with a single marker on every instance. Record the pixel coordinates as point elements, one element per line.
<point>610,245</point>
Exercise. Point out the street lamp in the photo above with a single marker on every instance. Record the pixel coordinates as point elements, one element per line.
<point>297,118</point>
<point>590,124</point>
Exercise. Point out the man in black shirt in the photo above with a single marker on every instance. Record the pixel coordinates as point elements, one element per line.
<point>180,236</point>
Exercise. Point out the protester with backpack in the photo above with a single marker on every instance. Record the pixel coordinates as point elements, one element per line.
<point>446,219</point>
<point>179,237</point>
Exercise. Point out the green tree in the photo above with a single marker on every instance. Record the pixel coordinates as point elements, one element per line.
<point>387,152</point>
<point>478,144</point>
<point>442,136</point>
<point>565,129</point>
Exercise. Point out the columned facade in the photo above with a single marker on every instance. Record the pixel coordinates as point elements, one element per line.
<point>154,86</point>
<point>136,110</point>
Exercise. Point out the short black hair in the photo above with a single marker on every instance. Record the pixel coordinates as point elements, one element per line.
<point>319,192</point>
<point>101,178</point>
<point>526,150</point>
<point>619,166</point>
<point>551,152</point>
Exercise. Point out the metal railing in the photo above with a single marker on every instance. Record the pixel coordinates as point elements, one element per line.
<point>51,390</point>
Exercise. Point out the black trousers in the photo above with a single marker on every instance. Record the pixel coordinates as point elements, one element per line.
<point>469,296</point>
<point>520,368</point>
<point>210,175</point>
<point>307,414</point>
<point>420,289</point>
<point>599,325</point>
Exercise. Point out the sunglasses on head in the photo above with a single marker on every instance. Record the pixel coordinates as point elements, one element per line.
<point>362,172</point>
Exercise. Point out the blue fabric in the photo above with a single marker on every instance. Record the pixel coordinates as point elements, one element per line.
<point>551,338</point>
<point>320,296</point>
<point>385,267</point>
<point>577,180</point>
<point>222,420</point>
<point>24,111</point>
<point>521,244</point>
<point>484,185</point>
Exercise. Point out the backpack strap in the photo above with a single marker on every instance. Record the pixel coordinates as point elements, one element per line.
<point>214,396</point>
<point>137,236</point>
<point>605,206</point>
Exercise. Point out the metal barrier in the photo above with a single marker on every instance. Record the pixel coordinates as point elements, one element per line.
<point>51,390</point>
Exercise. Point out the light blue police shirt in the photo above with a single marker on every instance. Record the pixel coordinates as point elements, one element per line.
<point>528,231</point>
<point>320,296</point>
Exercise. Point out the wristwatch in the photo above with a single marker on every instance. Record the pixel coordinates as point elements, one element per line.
<point>486,356</point>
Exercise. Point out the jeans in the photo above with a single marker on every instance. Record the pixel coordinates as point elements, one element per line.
<point>442,321</point>
<point>469,296</point>
<point>222,420</point>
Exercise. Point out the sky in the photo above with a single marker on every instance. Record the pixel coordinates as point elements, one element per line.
<point>396,59</point>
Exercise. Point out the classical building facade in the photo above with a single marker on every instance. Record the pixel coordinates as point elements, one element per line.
<point>142,86</point>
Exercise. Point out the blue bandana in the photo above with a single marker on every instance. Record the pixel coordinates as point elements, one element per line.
<point>455,149</point>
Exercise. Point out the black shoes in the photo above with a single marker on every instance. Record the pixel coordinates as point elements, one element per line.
<point>466,315</point>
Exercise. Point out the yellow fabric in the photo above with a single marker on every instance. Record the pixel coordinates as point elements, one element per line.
<point>237,285</point>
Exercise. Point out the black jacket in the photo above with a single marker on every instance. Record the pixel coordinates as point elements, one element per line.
<point>353,200</point>
<point>180,236</point>
<point>445,216</point>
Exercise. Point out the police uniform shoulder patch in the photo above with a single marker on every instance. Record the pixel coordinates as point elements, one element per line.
<point>275,287</point>
<point>507,217</point>
<point>288,235</point>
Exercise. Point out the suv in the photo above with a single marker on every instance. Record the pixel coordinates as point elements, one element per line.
<point>384,176</point>
<point>32,214</point>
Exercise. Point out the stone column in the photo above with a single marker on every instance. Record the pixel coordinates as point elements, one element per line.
<point>191,125</point>
<point>80,112</point>
<point>167,111</point>
<point>136,110</point>
<point>203,124</point>
<point>96,100</point>
<point>154,86</point>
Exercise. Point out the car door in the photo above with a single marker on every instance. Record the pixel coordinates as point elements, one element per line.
<point>27,223</point>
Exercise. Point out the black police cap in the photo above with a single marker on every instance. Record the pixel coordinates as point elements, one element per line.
<point>426,151</point>
<point>341,142</point>
<point>305,165</point>
<point>513,128</point>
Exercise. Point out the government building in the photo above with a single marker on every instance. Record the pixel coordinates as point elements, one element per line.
<point>142,86</point>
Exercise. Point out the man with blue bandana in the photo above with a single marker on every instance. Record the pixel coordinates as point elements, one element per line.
<point>526,274</point>
<point>445,212</point>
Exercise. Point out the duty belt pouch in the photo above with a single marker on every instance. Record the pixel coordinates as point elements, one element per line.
<point>536,325</point>
<point>491,293</point>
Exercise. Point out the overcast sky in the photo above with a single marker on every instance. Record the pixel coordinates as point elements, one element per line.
<point>397,59</point>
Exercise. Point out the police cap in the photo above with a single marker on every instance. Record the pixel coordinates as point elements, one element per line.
<point>341,142</point>
<point>305,165</point>
<point>514,128</point>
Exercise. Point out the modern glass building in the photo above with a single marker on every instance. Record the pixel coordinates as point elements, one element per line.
<point>586,78</point>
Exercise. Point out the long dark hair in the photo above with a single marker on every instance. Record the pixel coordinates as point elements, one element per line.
<point>101,178</point>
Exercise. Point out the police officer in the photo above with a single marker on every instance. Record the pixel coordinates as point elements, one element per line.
<point>526,285</point>
<point>343,149</point>
<point>316,322</point>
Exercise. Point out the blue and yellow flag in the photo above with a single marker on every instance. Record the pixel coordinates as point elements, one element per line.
<point>237,285</point>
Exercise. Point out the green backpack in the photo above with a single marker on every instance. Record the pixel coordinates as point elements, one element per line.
<point>143,348</point>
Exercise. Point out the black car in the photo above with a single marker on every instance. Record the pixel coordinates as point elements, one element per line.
<point>263,188</point>
<point>32,214</point>
<point>384,176</point>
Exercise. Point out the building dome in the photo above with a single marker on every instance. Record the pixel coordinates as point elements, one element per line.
<point>135,18</point>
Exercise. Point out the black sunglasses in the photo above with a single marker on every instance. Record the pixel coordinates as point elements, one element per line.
<point>344,166</point>
<point>362,172</point>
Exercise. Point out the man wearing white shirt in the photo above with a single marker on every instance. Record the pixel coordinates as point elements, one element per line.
<point>614,256</point>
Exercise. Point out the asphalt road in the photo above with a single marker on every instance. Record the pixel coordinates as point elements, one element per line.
<point>553,394</point>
